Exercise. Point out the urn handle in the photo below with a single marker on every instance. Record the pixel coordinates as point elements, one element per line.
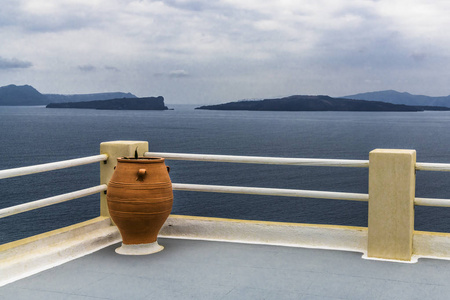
<point>141,174</point>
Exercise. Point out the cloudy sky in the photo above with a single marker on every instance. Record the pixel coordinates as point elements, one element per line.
<point>205,51</point>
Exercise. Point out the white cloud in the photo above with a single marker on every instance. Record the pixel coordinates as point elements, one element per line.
<point>178,74</point>
<point>172,74</point>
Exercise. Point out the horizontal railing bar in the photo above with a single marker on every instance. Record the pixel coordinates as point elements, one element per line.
<point>9,211</point>
<point>269,192</point>
<point>432,202</point>
<point>263,160</point>
<point>432,167</point>
<point>52,166</point>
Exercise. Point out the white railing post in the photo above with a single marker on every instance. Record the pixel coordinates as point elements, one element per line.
<point>114,150</point>
<point>391,203</point>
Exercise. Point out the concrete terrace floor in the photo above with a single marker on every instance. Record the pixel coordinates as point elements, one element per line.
<point>188,269</point>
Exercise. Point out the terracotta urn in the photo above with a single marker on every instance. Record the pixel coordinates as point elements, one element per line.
<point>140,199</point>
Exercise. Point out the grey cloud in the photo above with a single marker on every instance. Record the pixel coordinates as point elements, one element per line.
<point>87,68</point>
<point>369,43</point>
<point>56,23</point>
<point>65,17</point>
<point>419,56</point>
<point>277,46</point>
<point>190,5</point>
<point>14,63</point>
<point>8,13</point>
<point>112,68</point>
<point>379,55</point>
<point>212,9</point>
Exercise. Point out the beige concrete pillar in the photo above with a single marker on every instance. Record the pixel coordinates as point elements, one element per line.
<point>114,150</point>
<point>392,183</point>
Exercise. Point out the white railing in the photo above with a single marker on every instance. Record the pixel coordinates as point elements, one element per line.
<point>17,209</point>
<point>432,167</point>
<point>5,212</point>
<point>432,201</point>
<point>287,161</point>
<point>270,161</point>
<point>214,188</point>
<point>52,166</point>
<point>269,192</point>
<point>293,162</point>
<point>263,160</point>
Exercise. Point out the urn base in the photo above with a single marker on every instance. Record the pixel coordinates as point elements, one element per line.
<point>139,249</point>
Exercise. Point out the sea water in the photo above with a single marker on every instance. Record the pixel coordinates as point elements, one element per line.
<point>34,135</point>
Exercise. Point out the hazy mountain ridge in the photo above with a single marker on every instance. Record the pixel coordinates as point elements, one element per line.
<point>145,103</point>
<point>60,98</point>
<point>313,103</point>
<point>21,95</point>
<point>25,95</point>
<point>392,96</point>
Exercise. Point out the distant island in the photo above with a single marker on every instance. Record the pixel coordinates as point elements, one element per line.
<point>26,95</point>
<point>315,103</point>
<point>145,103</point>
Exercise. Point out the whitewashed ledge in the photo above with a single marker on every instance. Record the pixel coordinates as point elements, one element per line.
<point>26,257</point>
<point>434,245</point>
<point>29,256</point>
<point>345,238</point>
